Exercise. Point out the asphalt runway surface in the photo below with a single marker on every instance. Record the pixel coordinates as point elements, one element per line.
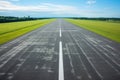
<point>60,51</point>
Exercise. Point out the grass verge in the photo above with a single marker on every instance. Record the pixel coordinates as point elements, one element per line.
<point>107,29</point>
<point>10,31</point>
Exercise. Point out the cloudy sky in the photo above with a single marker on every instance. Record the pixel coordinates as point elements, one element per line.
<point>60,8</point>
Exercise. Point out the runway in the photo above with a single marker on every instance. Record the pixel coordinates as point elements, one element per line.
<point>60,51</point>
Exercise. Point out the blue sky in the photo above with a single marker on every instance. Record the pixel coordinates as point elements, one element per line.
<point>60,8</point>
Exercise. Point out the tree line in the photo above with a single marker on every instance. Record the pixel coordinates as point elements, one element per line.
<point>4,19</point>
<point>102,18</point>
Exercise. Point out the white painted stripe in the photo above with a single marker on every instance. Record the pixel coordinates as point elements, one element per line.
<point>60,28</point>
<point>61,68</point>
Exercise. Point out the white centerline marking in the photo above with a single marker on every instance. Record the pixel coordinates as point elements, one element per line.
<point>61,68</point>
<point>60,28</point>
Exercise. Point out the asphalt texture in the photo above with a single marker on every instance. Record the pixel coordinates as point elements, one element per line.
<point>60,51</point>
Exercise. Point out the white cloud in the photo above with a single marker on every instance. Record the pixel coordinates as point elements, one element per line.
<point>91,2</point>
<point>57,9</point>
<point>44,7</point>
<point>15,0</point>
<point>9,0</point>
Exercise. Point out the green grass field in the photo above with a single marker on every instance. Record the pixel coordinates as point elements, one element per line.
<point>9,31</point>
<point>110,30</point>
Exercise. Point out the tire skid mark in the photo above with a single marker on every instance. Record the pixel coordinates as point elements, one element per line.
<point>98,75</point>
<point>78,68</point>
<point>10,54</point>
<point>99,53</point>
<point>104,55</point>
<point>73,71</point>
<point>113,53</point>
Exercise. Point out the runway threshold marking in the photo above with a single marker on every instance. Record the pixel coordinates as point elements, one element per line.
<point>61,68</point>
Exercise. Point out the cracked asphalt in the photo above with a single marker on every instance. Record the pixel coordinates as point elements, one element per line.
<point>36,55</point>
